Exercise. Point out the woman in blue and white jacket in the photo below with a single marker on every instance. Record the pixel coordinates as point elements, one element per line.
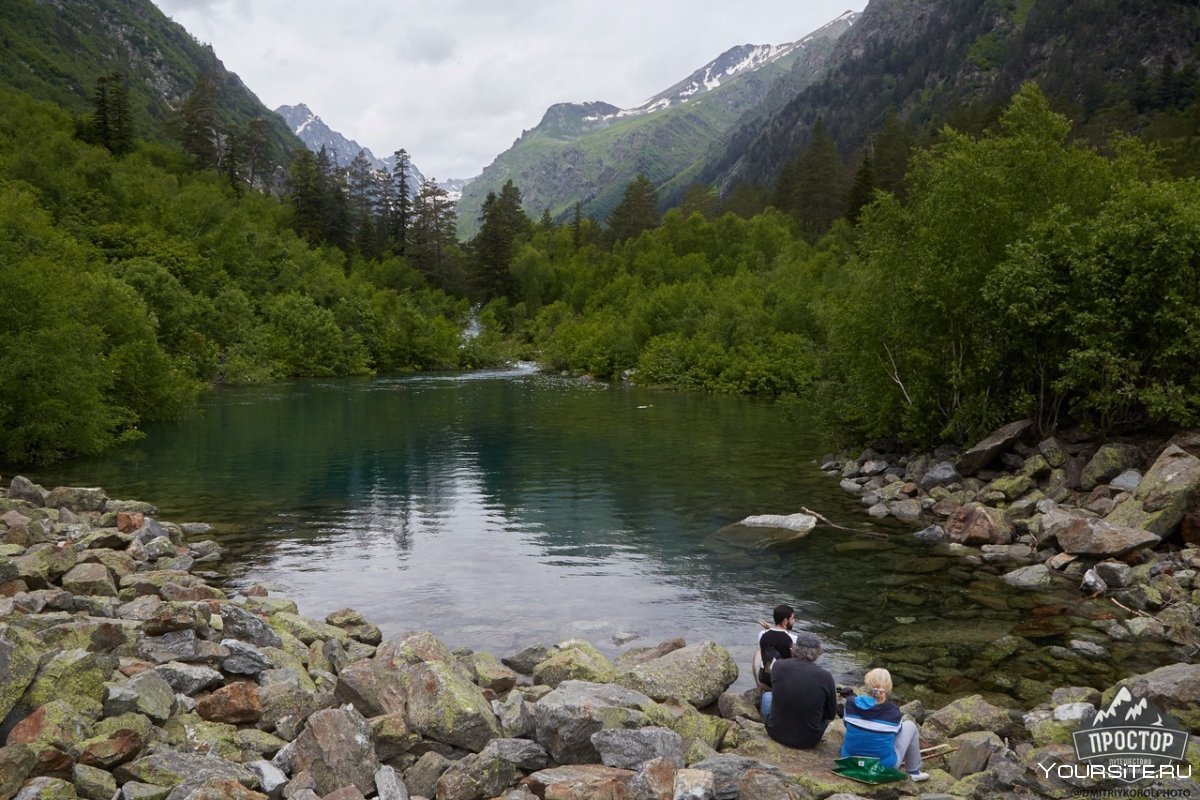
<point>875,728</point>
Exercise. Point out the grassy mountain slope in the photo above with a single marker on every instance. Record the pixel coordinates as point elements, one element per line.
<point>56,51</point>
<point>959,61</point>
<point>587,153</point>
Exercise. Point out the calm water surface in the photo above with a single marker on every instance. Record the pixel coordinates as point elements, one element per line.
<point>501,508</point>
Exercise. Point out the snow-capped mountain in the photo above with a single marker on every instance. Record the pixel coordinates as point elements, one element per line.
<point>315,134</point>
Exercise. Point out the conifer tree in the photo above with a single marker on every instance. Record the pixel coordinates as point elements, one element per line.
<point>432,233</point>
<point>577,226</point>
<point>638,210</point>
<point>404,206</point>
<point>111,122</point>
<point>200,132</point>
<point>862,191</point>
<point>502,223</point>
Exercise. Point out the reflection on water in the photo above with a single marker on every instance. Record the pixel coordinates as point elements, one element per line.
<point>500,508</point>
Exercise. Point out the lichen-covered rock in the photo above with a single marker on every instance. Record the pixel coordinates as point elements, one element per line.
<point>92,783</point>
<point>1162,497</point>
<point>1110,460</point>
<point>47,789</point>
<point>695,728</point>
<point>91,579</point>
<point>170,769</point>
<point>574,660</point>
<point>147,693</point>
<point>963,716</point>
<point>697,674</point>
<point>1035,576</point>
<point>336,748</point>
<point>567,717</point>
<point>446,707</point>
<point>19,656</point>
<point>414,647</point>
<point>1100,538</point>
<point>305,629</point>
<point>74,676</point>
<point>16,763</point>
<point>640,655</point>
<point>491,674</point>
<point>52,731</point>
<point>21,488</point>
<point>115,740</point>
<point>373,687</point>
<point>77,498</point>
<point>422,777</point>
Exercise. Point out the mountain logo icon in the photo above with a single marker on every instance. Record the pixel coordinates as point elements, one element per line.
<point>1130,740</point>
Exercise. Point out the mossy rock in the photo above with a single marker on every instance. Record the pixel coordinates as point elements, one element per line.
<point>574,660</point>
<point>446,707</point>
<point>48,789</point>
<point>1012,486</point>
<point>20,652</point>
<point>697,674</point>
<point>305,629</point>
<point>684,719</point>
<point>190,732</point>
<point>74,676</point>
<point>93,783</point>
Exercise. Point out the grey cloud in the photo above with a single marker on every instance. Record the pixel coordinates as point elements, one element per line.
<point>427,46</point>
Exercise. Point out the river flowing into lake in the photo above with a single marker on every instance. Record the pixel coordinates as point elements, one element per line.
<point>501,508</point>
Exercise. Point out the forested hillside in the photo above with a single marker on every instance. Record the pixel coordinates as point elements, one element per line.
<point>1023,274</point>
<point>57,51</point>
<point>1110,65</point>
<point>129,283</point>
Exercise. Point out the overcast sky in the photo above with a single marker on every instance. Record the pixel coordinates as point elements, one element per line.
<point>456,81</point>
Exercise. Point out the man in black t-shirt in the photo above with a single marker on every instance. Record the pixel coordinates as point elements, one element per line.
<point>776,642</point>
<point>803,698</point>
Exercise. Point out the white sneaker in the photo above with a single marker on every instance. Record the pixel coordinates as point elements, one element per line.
<point>918,776</point>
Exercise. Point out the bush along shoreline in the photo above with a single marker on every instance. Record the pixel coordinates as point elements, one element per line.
<point>125,673</point>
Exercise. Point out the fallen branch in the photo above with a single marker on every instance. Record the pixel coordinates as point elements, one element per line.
<point>832,524</point>
<point>1134,611</point>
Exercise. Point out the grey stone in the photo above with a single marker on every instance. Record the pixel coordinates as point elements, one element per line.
<point>422,777</point>
<point>237,623</point>
<point>1090,649</point>
<point>1116,574</point>
<point>1110,460</point>
<point>146,693</point>
<point>22,488</point>
<point>629,749</point>
<point>1036,576</point>
<point>973,753</point>
<point>336,747</point>
<point>567,717</point>
<point>942,474</point>
<point>244,658</point>
<point>524,660</point>
<point>389,785</point>
<point>189,678</point>
<point>727,770</point>
<point>1127,481</point>
<point>516,718</point>
<point>934,534</point>
<point>982,454</point>
<point>271,779</point>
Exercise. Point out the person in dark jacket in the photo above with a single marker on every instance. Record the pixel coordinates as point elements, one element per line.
<point>803,698</point>
<point>876,728</point>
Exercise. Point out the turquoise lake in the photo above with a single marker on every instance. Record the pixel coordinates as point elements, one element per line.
<point>501,508</point>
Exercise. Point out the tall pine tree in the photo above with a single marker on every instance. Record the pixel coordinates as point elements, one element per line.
<point>638,210</point>
<point>502,224</point>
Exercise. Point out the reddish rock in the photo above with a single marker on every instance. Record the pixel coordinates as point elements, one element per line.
<point>12,588</point>
<point>225,789</point>
<point>348,793</point>
<point>656,779</point>
<point>976,524</point>
<point>257,590</point>
<point>130,521</point>
<point>1189,528</point>
<point>235,704</point>
<point>582,782</point>
<point>117,748</point>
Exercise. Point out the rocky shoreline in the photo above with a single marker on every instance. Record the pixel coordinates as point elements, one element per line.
<point>126,674</point>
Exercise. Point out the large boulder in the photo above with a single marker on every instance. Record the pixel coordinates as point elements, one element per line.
<point>567,717</point>
<point>53,731</point>
<point>630,749</point>
<point>238,623</point>
<point>698,674</point>
<point>336,749</point>
<point>984,453</point>
<point>373,687</point>
<point>963,716</point>
<point>1110,461</point>
<point>1162,498</point>
<point>414,647</point>
<point>1175,689</point>
<point>1096,537</point>
<point>488,773</point>
<point>22,488</point>
<point>168,768</point>
<point>75,676</point>
<point>941,474</point>
<point>147,693</point>
<point>574,660</point>
<point>446,707</point>
<point>977,524</point>
<point>89,579</point>
<point>19,656</point>
<point>77,498</point>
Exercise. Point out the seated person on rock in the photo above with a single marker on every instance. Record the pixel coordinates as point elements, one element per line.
<point>803,699</point>
<point>775,641</point>
<point>876,728</point>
